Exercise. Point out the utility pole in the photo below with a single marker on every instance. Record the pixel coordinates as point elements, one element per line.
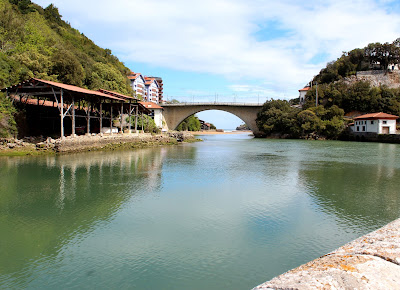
<point>316,90</point>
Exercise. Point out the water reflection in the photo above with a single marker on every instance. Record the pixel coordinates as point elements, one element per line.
<point>227,213</point>
<point>47,201</point>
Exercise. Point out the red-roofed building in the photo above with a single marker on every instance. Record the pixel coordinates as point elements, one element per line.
<point>379,123</point>
<point>302,96</point>
<point>156,112</point>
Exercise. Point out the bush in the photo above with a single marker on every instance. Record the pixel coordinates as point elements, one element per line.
<point>8,126</point>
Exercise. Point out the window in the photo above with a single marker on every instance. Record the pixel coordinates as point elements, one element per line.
<point>372,122</point>
<point>358,128</point>
<point>363,128</point>
<point>384,122</point>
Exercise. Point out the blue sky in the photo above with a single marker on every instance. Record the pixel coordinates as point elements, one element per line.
<point>231,50</point>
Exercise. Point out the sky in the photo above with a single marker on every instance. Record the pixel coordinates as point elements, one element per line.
<point>228,50</point>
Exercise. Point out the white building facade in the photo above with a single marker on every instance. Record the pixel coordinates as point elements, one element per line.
<point>302,95</point>
<point>137,84</point>
<point>379,123</point>
<point>151,90</point>
<point>156,113</point>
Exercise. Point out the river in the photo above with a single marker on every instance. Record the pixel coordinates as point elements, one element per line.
<point>227,213</point>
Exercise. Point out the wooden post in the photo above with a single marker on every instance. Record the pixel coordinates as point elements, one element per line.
<point>136,117</point>
<point>130,115</point>
<point>101,116</point>
<point>62,114</point>
<point>111,117</point>
<point>142,123</point>
<point>73,116</point>
<point>88,119</point>
<point>122,112</point>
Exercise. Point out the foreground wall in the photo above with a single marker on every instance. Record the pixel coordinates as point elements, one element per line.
<point>370,262</point>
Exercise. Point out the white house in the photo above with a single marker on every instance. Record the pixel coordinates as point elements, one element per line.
<point>156,112</point>
<point>137,83</point>
<point>302,96</point>
<point>379,123</point>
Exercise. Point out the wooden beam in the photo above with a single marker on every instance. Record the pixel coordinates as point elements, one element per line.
<point>136,117</point>
<point>73,116</point>
<point>111,117</point>
<point>129,116</point>
<point>62,114</point>
<point>122,112</point>
<point>88,119</point>
<point>101,116</point>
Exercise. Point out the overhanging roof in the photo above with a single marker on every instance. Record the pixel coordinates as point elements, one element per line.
<point>375,116</point>
<point>36,87</point>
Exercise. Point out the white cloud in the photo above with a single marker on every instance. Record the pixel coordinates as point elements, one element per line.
<point>218,36</point>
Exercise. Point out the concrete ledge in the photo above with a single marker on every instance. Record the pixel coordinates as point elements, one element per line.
<point>370,262</point>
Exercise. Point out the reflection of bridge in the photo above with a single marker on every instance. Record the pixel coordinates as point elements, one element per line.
<point>174,114</point>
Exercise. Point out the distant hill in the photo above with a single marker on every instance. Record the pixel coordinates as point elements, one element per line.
<point>360,80</point>
<point>36,42</point>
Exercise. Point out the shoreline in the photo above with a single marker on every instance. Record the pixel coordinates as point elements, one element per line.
<point>369,262</point>
<point>99,142</point>
<point>219,133</point>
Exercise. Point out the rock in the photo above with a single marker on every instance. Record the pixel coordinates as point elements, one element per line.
<point>11,145</point>
<point>41,145</point>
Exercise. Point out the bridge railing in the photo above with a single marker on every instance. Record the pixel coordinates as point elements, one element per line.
<point>212,104</point>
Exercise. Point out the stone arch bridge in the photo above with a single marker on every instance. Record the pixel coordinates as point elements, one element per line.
<point>174,114</point>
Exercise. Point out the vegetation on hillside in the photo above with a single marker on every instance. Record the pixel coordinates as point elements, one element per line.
<point>336,96</point>
<point>374,56</point>
<point>278,117</point>
<point>36,42</point>
<point>358,96</point>
<point>8,127</point>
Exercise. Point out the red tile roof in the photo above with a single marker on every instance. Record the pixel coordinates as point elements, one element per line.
<point>133,76</point>
<point>375,116</point>
<point>305,89</point>
<point>115,94</point>
<point>70,88</point>
<point>150,105</point>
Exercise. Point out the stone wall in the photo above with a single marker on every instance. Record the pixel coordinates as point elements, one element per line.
<point>83,143</point>
<point>370,262</point>
<point>390,79</point>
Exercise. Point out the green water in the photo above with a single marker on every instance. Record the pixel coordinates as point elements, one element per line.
<point>227,213</point>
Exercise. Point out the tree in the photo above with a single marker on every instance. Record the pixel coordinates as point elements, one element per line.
<point>67,68</point>
<point>277,116</point>
<point>53,15</point>
<point>191,123</point>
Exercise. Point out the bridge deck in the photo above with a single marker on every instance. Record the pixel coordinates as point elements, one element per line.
<point>213,104</point>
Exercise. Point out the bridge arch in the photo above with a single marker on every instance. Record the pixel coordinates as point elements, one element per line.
<point>174,114</point>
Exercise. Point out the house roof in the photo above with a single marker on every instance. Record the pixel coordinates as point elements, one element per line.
<point>31,86</point>
<point>134,76</point>
<point>375,116</point>
<point>150,105</point>
<point>305,89</point>
<point>115,94</point>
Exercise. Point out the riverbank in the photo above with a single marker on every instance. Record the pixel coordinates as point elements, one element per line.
<point>369,262</point>
<point>213,132</point>
<point>41,145</point>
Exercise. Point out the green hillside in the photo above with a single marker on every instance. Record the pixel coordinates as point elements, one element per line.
<point>339,92</point>
<point>36,42</point>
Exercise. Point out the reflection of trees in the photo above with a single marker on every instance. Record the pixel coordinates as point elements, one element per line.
<point>355,193</point>
<point>46,203</point>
